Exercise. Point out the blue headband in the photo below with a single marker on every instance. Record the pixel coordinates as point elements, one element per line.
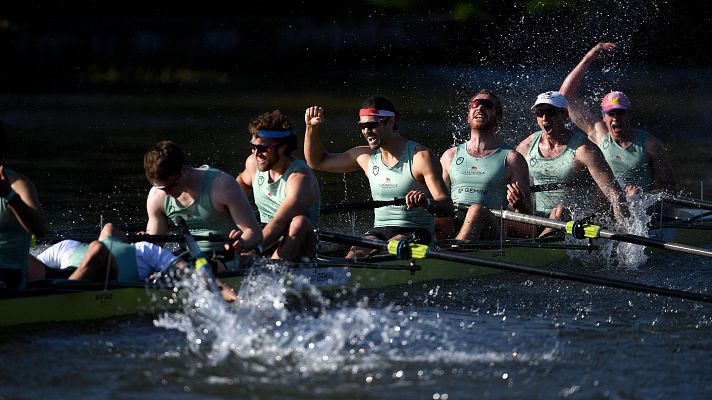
<point>274,134</point>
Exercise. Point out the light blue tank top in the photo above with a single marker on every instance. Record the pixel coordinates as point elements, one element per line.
<point>479,180</point>
<point>630,165</point>
<point>125,254</point>
<point>388,183</point>
<point>559,169</point>
<point>269,196</point>
<point>14,241</point>
<point>201,217</point>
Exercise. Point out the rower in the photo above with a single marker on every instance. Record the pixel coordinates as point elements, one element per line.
<point>126,262</point>
<point>556,154</point>
<point>395,167</point>
<point>487,174</point>
<point>209,200</point>
<point>21,216</point>
<point>637,158</point>
<point>284,188</point>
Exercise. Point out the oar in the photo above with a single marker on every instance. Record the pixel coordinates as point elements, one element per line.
<point>405,250</point>
<point>202,266</point>
<point>364,205</point>
<point>54,238</point>
<point>687,202</point>
<point>545,187</point>
<point>585,230</point>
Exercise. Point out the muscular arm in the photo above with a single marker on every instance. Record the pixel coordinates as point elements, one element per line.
<point>658,160</point>
<point>321,160</point>
<point>427,170</point>
<point>25,204</point>
<point>592,157</point>
<point>302,191</point>
<point>157,223</point>
<point>445,161</point>
<point>244,179</point>
<point>519,192</point>
<point>588,122</point>
<point>228,196</point>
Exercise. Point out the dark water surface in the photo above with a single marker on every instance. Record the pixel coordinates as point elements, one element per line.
<point>503,336</point>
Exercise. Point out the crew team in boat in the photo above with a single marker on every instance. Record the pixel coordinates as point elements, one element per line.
<point>483,173</point>
<point>558,155</point>
<point>638,159</point>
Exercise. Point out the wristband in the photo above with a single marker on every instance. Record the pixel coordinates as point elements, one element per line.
<point>10,196</point>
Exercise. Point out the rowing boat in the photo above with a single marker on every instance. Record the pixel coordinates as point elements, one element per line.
<point>62,300</point>
<point>59,300</point>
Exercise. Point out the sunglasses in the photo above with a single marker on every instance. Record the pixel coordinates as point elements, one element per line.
<point>370,125</point>
<point>262,148</point>
<point>167,186</point>
<point>549,112</point>
<point>484,103</point>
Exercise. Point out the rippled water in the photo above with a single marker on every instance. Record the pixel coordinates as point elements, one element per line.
<point>501,336</point>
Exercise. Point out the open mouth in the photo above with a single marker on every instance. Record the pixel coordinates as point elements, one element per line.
<point>371,139</point>
<point>547,126</point>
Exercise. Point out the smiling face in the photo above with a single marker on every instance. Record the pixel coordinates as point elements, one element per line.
<point>482,112</point>
<point>618,122</point>
<point>549,118</point>
<point>375,129</point>
<point>267,152</point>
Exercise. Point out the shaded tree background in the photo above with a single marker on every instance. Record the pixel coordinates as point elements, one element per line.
<point>81,44</point>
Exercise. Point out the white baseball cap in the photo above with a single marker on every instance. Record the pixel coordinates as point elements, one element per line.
<point>552,98</point>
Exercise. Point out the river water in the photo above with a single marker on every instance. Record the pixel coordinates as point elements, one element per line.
<point>502,336</point>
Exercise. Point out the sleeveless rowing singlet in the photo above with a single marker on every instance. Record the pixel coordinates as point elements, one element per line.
<point>201,217</point>
<point>14,242</point>
<point>269,196</point>
<point>559,169</point>
<point>482,180</point>
<point>388,183</point>
<point>629,165</point>
<point>125,255</point>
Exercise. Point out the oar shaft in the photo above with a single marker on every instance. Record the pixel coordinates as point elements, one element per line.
<point>364,205</point>
<point>528,269</point>
<point>604,233</point>
<point>570,276</point>
<point>529,219</point>
<point>686,202</point>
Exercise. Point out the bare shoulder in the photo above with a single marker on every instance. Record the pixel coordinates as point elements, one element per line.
<point>654,145</point>
<point>515,158</point>
<point>423,154</point>
<point>524,145</point>
<point>250,163</point>
<point>155,199</point>
<point>448,154</point>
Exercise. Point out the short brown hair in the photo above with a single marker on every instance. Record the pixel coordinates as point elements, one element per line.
<point>274,121</point>
<point>163,160</point>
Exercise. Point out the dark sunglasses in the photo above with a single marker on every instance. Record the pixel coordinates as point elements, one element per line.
<point>167,186</point>
<point>549,112</point>
<point>370,125</point>
<point>262,148</point>
<point>484,103</point>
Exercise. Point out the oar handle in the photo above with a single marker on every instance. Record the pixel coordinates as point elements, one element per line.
<point>368,205</point>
